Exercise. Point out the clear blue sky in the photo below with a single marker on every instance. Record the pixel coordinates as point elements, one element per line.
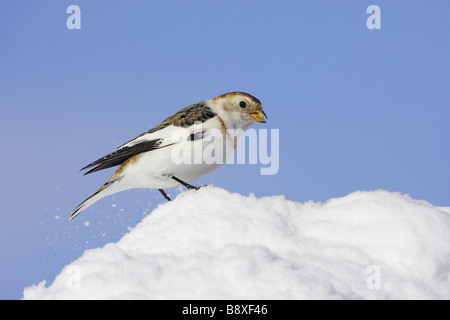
<point>357,109</point>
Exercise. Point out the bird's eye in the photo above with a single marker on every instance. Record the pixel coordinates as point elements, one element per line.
<point>242,104</point>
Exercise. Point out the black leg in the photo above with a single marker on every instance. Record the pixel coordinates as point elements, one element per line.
<point>187,185</point>
<point>164,194</point>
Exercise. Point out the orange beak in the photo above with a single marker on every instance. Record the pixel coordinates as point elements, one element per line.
<point>259,115</point>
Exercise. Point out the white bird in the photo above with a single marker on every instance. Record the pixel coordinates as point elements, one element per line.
<point>186,146</point>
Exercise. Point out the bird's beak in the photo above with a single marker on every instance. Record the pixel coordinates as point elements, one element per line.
<point>259,115</point>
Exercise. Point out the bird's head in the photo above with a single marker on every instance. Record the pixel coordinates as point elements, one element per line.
<point>238,109</point>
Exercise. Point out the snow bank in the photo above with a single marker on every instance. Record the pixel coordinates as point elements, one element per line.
<point>212,244</point>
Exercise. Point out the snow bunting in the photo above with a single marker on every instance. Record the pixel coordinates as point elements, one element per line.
<point>157,158</point>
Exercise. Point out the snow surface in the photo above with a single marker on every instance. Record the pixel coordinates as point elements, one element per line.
<point>212,244</point>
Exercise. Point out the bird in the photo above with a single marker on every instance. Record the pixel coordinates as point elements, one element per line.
<point>166,155</point>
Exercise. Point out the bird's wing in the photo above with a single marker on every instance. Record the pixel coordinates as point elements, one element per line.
<point>155,138</point>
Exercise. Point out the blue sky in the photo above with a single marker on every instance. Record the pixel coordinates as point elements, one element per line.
<point>356,109</point>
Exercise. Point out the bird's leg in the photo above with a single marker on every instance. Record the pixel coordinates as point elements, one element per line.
<point>164,194</point>
<point>187,185</point>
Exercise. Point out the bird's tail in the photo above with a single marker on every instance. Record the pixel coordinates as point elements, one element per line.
<point>107,189</point>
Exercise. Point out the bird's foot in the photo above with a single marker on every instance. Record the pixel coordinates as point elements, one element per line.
<point>187,185</point>
<point>165,194</point>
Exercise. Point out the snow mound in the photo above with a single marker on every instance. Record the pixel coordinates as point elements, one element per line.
<point>212,244</point>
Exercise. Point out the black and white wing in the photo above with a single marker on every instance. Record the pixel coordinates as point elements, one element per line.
<point>118,156</point>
